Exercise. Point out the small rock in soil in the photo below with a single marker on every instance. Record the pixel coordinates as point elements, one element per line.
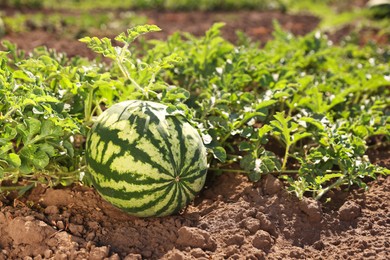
<point>56,197</point>
<point>311,208</point>
<point>198,253</point>
<point>175,255</point>
<point>251,212</point>
<point>266,224</point>
<point>90,236</point>
<point>114,257</point>
<point>195,237</point>
<point>262,240</point>
<point>251,224</point>
<point>76,229</point>
<point>318,245</point>
<point>99,253</point>
<point>28,232</point>
<point>133,257</point>
<point>258,255</point>
<point>60,225</point>
<point>48,253</point>
<point>349,211</point>
<point>271,185</point>
<point>62,256</point>
<point>51,210</point>
<point>146,253</point>
<point>235,239</point>
<point>230,251</point>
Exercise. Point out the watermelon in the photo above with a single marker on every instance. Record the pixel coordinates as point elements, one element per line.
<point>145,160</point>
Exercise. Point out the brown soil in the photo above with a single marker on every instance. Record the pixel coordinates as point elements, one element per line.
<point>232,217</point>
<point>258,25</point>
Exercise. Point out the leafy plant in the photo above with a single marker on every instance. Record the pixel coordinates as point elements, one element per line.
<point>299,108</point>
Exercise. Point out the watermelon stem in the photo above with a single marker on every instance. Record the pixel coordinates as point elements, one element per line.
<point>247,172</point>
<point>120,61</point>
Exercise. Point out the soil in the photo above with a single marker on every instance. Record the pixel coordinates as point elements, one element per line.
<point>231,218</point>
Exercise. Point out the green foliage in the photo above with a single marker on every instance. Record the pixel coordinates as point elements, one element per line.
<point>292,94</point>
<point>35,122</point>
<point>73,25</point>
<point>157,4</point>
<point>299,108</point>
<point>133,70</point>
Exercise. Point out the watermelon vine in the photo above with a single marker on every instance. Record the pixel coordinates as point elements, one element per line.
<point>300,108</point>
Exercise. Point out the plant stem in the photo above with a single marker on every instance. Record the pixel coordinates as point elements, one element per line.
<point>228,170</point>
<point>337,183</point>
<point>9,113</point>
<point>285,158</point>
<point>88,107</point>
<point>247,172</point>
<point>11,188</point>
<point>122,67</point>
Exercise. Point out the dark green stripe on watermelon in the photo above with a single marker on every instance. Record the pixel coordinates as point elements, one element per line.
<point>125,195</point>
<point>138,154</point>
<point>152,203</point>
<point>183,149</point>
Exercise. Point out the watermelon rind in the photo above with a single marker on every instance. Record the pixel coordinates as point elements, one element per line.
<point>144,160</point>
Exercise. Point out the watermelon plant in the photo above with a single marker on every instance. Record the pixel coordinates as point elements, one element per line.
<point>300,108</point>
<point>143,156</point>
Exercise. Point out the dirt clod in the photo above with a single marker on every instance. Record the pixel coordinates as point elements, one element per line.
<point>198,253</point>
<point>235,239</point>
<point>272,185</point>
<point>262,240</point>
<point>176,255</point>
<point>47,253</point>
<point>195,237</point>
<point>99,253</point>
<point>133,257</point>
<point>51,210</point>
<point>349,211</point>
<point>76,229</point>
<point>311,208</point>
<point>28,232</point>
<point>251,224</point>
<point>265,223</point>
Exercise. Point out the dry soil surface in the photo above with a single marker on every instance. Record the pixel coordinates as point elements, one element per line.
<point>231,219</point>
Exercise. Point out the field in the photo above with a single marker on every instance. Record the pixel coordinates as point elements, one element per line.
<point>292,99</point>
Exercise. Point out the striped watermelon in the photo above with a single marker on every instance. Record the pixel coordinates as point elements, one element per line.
<point>144,160</point>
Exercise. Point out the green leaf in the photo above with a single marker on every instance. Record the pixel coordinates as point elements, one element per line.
<point>101,46</point>
<point>264,104</point>
<point>48,149</point>
<point>248,162</point>
<point>69,148</point>
<point>34,126</point>
<point>282,127</point>
<point>19,74</point>
<point>327,177</point>
<point>265,129</point>
<point>245,146</point>
<point>135,32</point>
<point>298,136</point>
<point>14,160</point>
<point>219,153</point>
<point>313,121</point>
<point>41,159</point>
<point>50,129</point>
